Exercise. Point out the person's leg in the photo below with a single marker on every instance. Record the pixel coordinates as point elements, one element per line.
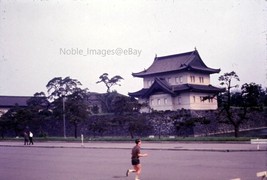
<point>137,169</point>
<point>134,163</point>
<point>129,171</point>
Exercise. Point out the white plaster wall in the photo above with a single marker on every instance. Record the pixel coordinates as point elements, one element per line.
<point>148,81</point>
<point>179,78</point>
<point>197,104</point>
<point>163,102</point>
<point>184,100</point>
<point>206,78</point>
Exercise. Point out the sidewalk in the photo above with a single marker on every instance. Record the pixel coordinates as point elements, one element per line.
<point>171,146</point>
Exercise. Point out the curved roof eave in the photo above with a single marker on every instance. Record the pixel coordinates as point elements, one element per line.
<point>208,70</point>
<point>158,84</point>
<point>178,62</point>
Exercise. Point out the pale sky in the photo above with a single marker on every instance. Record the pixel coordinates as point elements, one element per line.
<point>43,39</point>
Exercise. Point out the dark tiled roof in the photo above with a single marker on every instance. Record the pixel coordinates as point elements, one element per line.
<point>189,61</point>
<point>160,85</point>
<point>9,101</point>
<point>139,93</point>
<point>197,88</point>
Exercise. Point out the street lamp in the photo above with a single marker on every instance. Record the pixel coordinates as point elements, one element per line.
<point>64,117</point>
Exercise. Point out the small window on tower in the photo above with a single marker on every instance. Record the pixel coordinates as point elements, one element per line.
<point>194,99</point>
<point>181,79</point>
<point>179,100</point>
<point>201,79</point>
<point>165,101</point>
<point>192,78</point>
<point>158,101</point>
<point>152,102</point>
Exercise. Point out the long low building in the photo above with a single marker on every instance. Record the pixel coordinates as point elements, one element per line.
<point>95,101</point>
<point>6,102</point>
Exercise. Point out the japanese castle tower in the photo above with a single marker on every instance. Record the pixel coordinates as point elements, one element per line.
<point>180,81</point>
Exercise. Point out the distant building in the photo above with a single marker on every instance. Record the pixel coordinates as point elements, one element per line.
<point>102,102</point>
<point>96,102</point>
<point>6,102</point>
<point>180,81</point>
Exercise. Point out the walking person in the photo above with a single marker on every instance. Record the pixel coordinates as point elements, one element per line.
<point>31,138</point>
<point>136,154</point>
<point>26,138</point>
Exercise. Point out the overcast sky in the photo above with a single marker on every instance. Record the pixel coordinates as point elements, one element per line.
<point>40,40</point>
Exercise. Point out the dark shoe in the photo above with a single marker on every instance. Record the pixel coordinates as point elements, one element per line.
<point>127,172</point>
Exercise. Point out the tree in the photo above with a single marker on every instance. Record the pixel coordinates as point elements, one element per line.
<point>106,101</point>
<point>227,80</point>
<point>16,118</point>
<point>59,87</point>
<point>107,98</point>
<point>39,100</point>
<point>244,101</point>
<point>109,82</point>
<point>236,99</point>
<point>137,124</point>
<point>77,108</point>
<point>98,126</point>
<point>39,106</point>
<point>6,121</point>
<point>251,94</point>
<point>122,104</point>
<point>67,96</point>
<point>263,97</point>
<point>19,118</point>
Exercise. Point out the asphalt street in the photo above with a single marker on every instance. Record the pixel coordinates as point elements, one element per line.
<point>107,161</point>
<point>186,146</point>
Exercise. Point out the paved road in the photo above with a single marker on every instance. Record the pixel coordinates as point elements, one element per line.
<point>109,161</point>
<point>246,146</point>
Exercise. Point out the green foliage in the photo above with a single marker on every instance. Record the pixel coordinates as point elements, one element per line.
<point>136,124</point>
<point>227,78</point>
<point>247,100</point>
<point>251,94</point>
<point>122,104</point>
<point>109,82</point>
<point>95,109</point>
<point>59,87</point>
<point>69,99</point>
<point>98,127</point>
<point>16,118</point>
<point>77,109</point>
